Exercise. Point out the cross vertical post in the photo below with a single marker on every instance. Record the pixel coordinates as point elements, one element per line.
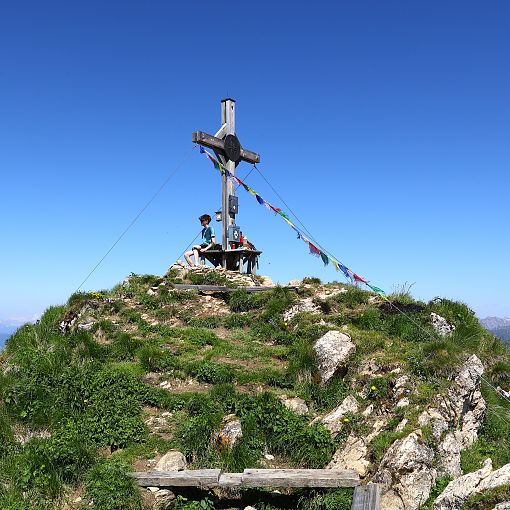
<point>228,117</point>
<point>230,153</point>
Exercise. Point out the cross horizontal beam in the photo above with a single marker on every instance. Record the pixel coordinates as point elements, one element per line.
<point>218,144</point>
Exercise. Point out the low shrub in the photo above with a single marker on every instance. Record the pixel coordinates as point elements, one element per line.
<point>353,298</point>
<point>325,397</point>
<point>212,373</point>
<point>370,318</point>
<point>112,415</point>
<point>155,359</point>
<point>109,486</point>
<point>337,499</point>
<point>488,499</point>
<point>236,320</point>
<point>205,322</point>
<point>242,301</point>
<point>302,361</point>
<point>124,347</point>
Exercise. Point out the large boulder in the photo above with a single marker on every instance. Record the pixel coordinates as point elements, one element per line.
<point>333,350</point>
<point>172,461</point>
<point>406,474</point>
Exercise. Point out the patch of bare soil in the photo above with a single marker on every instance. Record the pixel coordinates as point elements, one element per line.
<point>246,363</point>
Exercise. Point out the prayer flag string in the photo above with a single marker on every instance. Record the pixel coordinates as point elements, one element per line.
<point>314,250</point>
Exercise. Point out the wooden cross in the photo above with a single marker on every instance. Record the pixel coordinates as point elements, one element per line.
<point>228,150</point>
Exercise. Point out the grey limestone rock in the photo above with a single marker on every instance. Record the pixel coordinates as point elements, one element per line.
<point>230,431</point>
<point>333,350</point>
<point>441,325</point>
<point>406,474</point>
<point>173,460</point>
<point>333,421</point>
<point>295,404</point>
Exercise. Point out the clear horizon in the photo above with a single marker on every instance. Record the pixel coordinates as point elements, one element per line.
<point>384,127</point>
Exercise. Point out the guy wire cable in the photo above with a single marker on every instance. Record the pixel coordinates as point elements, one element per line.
<point>133,221</point>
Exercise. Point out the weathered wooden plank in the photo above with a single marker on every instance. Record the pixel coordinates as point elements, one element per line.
<point>213,142</point>
<point>367,497</point>
<point>230,480</point>
<point>249,478</point>
<point>299,478</point>
<point>186,478</point>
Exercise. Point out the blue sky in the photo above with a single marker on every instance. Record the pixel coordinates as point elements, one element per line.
<point>384,125</point>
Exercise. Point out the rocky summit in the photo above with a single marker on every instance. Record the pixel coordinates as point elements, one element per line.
<point>158,375</point>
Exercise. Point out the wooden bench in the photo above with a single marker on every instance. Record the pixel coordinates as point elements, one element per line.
<point>365,497</point>
<point>233,260</point>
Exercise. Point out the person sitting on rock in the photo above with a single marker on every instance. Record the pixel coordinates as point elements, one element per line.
<point>208,241</point>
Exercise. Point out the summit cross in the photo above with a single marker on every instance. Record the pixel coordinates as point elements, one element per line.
<point>230,153</point>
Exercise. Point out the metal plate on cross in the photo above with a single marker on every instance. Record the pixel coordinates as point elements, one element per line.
<point>232,148</point>
<point>234,234</point>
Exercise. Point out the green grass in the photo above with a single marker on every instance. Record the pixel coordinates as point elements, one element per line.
<point>488,499</point>
<point>86,388</point>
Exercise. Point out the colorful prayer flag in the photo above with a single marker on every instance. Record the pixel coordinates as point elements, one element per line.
<point>314,250</point>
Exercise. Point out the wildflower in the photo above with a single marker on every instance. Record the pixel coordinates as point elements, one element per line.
<point>346,420</point>
<point>373,388</point>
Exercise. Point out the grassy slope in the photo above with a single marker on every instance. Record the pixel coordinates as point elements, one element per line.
<point>86,403</point>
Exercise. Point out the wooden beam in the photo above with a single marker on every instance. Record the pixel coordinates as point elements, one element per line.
<point>186,478</point>
<point>367,497</point>
<point>300,478</point>
<point>285,478</point>
<point>217,143</point>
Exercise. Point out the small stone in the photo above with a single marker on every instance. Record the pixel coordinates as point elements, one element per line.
<point>249,508</point>
<point>368,411</point>
<point>296,404</point>
<point>153,489</point>
<point>230,431</point>
<point>268,456</point>
<point>401,426</point>
<point>172,461</point>
<point>403,402</point>
<point>164,493</point>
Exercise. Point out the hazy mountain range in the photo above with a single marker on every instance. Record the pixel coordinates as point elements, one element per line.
<point>498,326</point>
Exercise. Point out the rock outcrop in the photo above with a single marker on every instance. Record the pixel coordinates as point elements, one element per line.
<point>459,490</point>
<point>406,473</point>
<point>456,417</point>
<point>333,350</point>
<point>333,421</point>
<point>305,305</point>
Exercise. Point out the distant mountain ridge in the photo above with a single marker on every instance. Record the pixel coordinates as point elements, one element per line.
<point>3,338</point>
<point>498,326</point>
